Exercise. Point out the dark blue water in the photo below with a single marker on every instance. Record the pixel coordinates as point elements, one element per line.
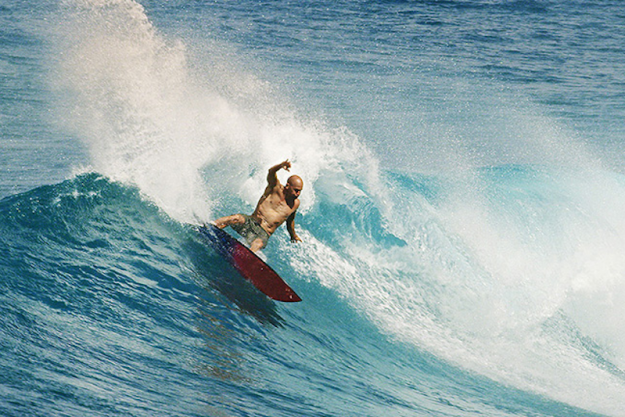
<point>461,217</point>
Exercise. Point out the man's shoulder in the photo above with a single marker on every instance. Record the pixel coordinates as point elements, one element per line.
<point>273,188</point>
<point>295,205</point>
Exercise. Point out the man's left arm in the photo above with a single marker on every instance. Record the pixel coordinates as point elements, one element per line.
<point>290,226</point>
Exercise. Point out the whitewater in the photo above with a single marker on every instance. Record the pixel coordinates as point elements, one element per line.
<point>461,218</point>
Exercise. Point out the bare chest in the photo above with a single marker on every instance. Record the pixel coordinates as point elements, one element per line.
<point>276,203</point>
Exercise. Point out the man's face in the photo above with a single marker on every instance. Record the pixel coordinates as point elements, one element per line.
<point>294,189</point>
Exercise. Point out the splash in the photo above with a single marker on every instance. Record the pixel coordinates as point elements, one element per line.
<point>152,119</point>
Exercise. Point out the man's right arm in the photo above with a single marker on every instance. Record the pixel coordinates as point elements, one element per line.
<point>272,177</point>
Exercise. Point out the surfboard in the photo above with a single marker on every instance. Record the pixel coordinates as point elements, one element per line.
<point>249,265</point>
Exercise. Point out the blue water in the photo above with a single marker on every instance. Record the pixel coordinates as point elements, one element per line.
<point>461,219</point>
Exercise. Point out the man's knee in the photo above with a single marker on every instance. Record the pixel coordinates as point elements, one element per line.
<point>230,220</point>
<point>237,219</point>
<point>257,245</point>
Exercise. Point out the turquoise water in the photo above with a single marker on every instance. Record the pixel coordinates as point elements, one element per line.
<point>461,218</point>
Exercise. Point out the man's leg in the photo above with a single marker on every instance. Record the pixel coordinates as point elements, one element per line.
<point>257,245</point>
<point>228,220</point>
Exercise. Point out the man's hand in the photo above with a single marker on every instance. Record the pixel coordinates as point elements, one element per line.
<point>272,178</point>
<point>295,239</point>
<point>286,165</point>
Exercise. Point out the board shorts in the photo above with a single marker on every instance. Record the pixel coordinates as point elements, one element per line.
<point>251,230</point>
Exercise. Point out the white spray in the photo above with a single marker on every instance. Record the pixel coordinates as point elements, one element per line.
<point>150,120</point>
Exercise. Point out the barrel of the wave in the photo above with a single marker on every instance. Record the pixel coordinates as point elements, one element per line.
<point>249,265</point>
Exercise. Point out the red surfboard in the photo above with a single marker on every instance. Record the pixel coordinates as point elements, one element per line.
<point>249,265</point>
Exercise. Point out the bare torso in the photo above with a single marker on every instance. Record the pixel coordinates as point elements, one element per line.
<point>274,208</point>
<point>277,205</point>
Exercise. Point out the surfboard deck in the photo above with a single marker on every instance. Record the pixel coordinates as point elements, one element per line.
<point>249,265</point>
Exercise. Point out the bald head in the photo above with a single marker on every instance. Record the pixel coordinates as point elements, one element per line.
<point>295,181</point>
<point>293,187</point>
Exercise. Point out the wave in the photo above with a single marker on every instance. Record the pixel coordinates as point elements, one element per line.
<point>514,273</point>
<point>94,253</point>
<point>511,272</point>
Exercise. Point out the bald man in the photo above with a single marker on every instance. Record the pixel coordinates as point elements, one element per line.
<point>277,205</point>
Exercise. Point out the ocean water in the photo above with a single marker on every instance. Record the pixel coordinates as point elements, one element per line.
<point>462,216</point>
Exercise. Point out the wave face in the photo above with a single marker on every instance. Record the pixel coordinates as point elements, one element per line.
<point>109,306</point>
<point>461,221</point>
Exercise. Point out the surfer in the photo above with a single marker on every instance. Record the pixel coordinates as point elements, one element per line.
<point>277,205</point>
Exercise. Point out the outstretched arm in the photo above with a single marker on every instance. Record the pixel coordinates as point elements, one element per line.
<point>272,178</point>
<point>290,226</point>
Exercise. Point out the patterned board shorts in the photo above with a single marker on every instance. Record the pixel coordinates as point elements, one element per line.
<point>251,230</point>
